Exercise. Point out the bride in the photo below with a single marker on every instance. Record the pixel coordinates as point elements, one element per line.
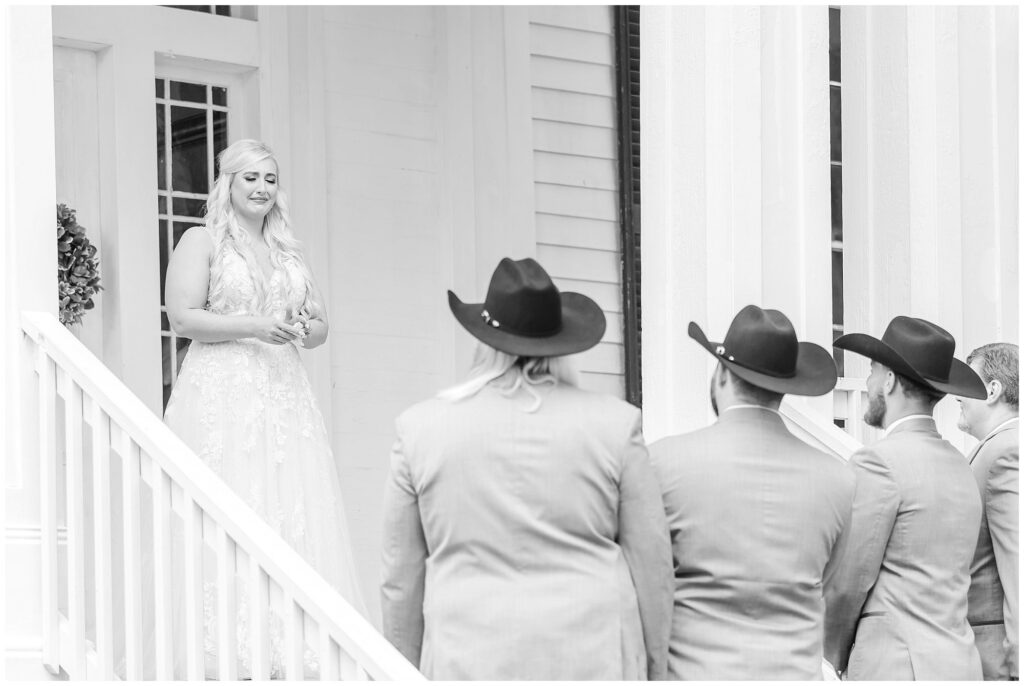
<point>241,290</point>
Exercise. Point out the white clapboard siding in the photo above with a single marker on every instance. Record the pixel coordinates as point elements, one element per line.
<point>580,108</point>
<point>558,229</point>
<point>575,168</point>
<point>573,76</point>
<point>574,17</point>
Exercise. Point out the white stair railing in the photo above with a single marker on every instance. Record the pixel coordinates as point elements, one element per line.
<point>821,434</point>
<point>850,400</point>
<point>213,517</point>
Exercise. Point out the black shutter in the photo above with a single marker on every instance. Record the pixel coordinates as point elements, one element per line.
<point>627,60</point>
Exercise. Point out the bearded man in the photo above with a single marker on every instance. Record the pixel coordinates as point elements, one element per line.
<point>897,607</point>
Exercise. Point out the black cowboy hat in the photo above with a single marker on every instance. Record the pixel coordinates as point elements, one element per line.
<point>921,351</point>
<point>525,314</point>
<point>761,348</point>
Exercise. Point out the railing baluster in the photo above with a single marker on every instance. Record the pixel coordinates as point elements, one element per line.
<point>131,475</point>
<point>259,632</point>
<point>293,640</point>
<point>349,670</point>
<point>74,486</point>
<point>194,613</point>
<point>162,576</point>
<point>48,506</point>
<point>102,540</point>
<point>328,656</point>
<point>855,422</point>
<point>227,614</point>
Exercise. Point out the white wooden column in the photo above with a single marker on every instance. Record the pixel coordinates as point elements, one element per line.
<point>129,215</point>
<point>29,283</point>
<point>735,172</point>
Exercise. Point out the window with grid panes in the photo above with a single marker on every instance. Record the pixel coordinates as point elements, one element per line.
<point>191,130</point>
<point>836,163</point>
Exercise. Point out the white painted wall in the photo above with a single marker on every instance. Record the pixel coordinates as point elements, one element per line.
<point>930,197</point>
<point>735,175</point>
<point>575,169</point>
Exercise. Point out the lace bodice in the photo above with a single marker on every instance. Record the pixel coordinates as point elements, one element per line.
<point>234,289</point>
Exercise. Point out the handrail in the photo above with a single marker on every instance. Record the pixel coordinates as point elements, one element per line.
<point>828,434</point>
<point>308,589</point>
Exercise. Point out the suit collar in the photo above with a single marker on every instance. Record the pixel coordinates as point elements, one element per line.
<point>748,413</point>
<point>1012,423</point>
<point>914,422</point>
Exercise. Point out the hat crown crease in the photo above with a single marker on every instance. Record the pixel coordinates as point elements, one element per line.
<point>763,341</point>
<point>929,348</point>
<point>523,300</point>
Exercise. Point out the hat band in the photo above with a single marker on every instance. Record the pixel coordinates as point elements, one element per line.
<point>720,351</point>
<point>491,321</point>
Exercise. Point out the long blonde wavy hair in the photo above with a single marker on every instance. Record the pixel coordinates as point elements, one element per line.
<point>509,373</point>
<point>227,234</point>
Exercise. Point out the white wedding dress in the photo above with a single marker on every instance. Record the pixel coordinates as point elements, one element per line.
<point>247,409</point>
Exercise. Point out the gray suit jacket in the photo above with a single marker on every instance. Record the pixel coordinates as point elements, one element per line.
<point>526,545</point>
<point>898,606</point>
<point>992,601</point>
<point>757,519</point>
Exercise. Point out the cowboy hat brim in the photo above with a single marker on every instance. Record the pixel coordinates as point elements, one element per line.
<point>583,325</point>
<point>815,369</point>
<point>963,381</point>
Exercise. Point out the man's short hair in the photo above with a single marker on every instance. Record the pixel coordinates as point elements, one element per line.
<point>913,389</point>
<point>999,363</point>
<point>755,395</point>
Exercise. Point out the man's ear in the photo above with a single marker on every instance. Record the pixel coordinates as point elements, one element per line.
<point>995,391</point>
<point>889,384</point>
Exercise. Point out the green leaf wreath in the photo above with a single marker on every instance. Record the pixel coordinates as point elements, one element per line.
<point>78,268</point>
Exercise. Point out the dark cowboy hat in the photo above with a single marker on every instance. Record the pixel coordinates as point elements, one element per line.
<point>921,351</point>
<point>525,314</point>
<point>761,348</point>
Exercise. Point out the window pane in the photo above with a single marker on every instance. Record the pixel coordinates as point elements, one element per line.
<point>192,92</point>
<point>837,287</point>
<point>159,88</point>
<point>161,150</point>
<point>834,57</point>
<point>165,323</point>
<point>182,344</point>
<point>188,151</point>
<point>836,107</point>
<point>220,138</point>
<point>179,229</point>
<point>837,203</point>
<point>161,204</point>
<point>223,10</point>
<point>165,345</point>
<point>837,353</point>
<point>189,207</point>
<point>220,96</point>
<point>164,256</point>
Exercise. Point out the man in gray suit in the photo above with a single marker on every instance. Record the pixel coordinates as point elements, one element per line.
<point>897,607</point>
<point>757,517</point>
<point>992,601</point>
<point>523,533</point>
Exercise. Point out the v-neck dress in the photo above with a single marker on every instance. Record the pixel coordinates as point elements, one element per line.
<point>247,409</point>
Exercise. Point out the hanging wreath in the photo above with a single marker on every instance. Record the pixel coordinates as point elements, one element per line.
<point>78,268</point>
